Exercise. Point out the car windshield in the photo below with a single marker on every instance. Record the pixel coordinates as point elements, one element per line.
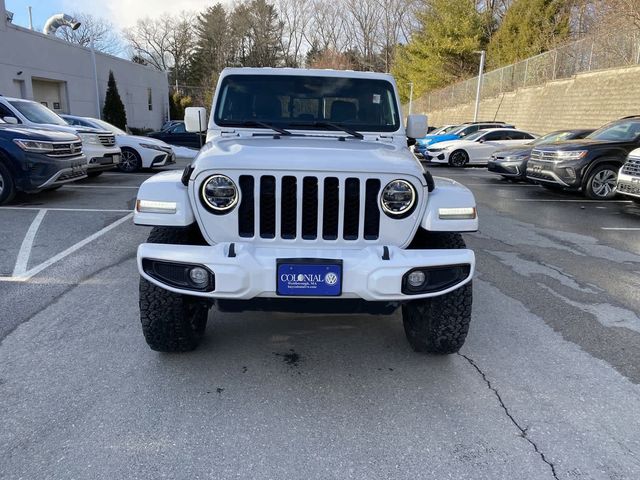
<point>108,127</point>
<point>475,136</point>
<point>445,129</point>
<point>307,102</point>
<point>37,113</point>
<point>552,137</point>
<point>618,132</point>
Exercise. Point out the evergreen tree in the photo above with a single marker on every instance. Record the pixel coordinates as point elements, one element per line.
<point>529,27</point>
<point>443,50</point>
<point>113,111</point>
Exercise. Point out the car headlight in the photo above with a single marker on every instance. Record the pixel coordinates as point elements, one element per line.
<point>90,139</point>
<point>34,146</point>
<point>219,193</point>
<point>570,154</point>
<point>154,147</point>
<point>398,198</point>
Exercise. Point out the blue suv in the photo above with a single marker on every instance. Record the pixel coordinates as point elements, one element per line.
<point>462,131</point>
<point>33,160</point>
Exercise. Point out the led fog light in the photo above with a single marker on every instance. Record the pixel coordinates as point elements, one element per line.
<point>199,276</point>
<point>416,278</point>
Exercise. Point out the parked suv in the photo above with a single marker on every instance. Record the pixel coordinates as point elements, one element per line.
<point>305,199</point>
<point>33,160</point>
<point>590,165</point>
<point>511,162</point>
<point>461,131</point>
<point>99,146</point>
<point>629,177</point>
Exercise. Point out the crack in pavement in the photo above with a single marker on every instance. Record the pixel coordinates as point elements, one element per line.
<point>523,431</point>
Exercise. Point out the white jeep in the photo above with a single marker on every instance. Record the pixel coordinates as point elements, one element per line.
<point>305,198</point>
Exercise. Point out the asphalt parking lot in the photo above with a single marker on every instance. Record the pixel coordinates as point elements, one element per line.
<point>547,385</point>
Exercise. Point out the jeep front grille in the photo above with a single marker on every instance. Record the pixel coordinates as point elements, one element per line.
<point>308,207</point>
<point>632,167</point>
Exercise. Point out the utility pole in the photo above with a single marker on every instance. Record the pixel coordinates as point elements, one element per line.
<point>479,91</point>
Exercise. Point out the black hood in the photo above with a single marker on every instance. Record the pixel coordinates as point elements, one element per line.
<point>520,150</point>
<point>581,144</point>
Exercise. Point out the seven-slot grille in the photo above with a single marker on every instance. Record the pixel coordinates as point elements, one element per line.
<point>543,156</point>
<point>107,140</point>
<point>66,149</point>
<point>632,167</point>
<point>309,207</point>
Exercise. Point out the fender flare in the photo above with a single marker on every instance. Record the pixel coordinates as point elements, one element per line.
<point>448,194</point>
<point>165,187</point>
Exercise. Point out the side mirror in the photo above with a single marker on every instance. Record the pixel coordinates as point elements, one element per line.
<point>195,119</point>
<point>482,140</point>
<point>416,126</point>
<point>11,120</point>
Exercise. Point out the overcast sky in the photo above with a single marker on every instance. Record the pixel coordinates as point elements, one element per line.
<point>121,12</point>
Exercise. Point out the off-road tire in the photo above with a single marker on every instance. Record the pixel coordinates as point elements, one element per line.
<point>135,158</point>
<point>8,186</point>
<point>172,322</point>
<point>439,324</point>
<point>91,174</point>
<point>458,158</point>
<point>590,189</point>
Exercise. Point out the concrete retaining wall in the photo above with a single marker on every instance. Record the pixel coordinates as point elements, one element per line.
<point>587,100</point>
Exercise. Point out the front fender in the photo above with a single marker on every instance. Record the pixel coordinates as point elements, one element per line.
<point>448,194</point>
<point>165,187</point>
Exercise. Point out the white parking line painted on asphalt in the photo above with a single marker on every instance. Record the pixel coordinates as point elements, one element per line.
<point>568,200</point>
<point>56,258</point>
<point>493,185</point>
<point>622,229</point>
<point>27,245</point>
<point>69,209</point>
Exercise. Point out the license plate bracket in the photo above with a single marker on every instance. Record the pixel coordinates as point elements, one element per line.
<point>308,277</point>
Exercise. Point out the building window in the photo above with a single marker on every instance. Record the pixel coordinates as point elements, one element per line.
<point>150,98</point>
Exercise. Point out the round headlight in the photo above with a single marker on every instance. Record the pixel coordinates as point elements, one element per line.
<point>219,193</point>
<point>398,198</point>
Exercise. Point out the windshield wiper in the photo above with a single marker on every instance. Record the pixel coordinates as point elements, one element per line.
<point>335,126</point>
<point>255,123</point>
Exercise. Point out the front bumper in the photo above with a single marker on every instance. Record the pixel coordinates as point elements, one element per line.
<point>508,168</point>
<point>41,172</point>
<point>628,185</point>
<point>101,158</point>
<point>438,156</point>
<point>250,272</point>
<point>566,174</point>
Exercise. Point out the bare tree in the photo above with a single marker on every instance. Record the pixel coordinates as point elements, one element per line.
<point>295,17</point>
<point>104,34</point>
<point>327,26</point>
<point>363,20</point>
<point>397,22</point>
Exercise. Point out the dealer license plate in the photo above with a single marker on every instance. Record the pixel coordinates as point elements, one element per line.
<point>321,278</point>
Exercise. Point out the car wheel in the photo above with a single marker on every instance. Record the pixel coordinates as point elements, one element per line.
<point>7,187</point>
<point>440,324</point>
<point>458,159</point>
<point>601,184</point>
<point>172,322</point>
<point>130,161</point>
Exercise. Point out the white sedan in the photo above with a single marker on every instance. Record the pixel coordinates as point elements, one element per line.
<point>477,148</point>
<point>137,152</point>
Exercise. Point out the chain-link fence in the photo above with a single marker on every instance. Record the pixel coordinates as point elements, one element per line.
<point>616,49</point>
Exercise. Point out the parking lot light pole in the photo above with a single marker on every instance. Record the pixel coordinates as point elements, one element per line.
<point>479,90</point>
<point>95,76</point>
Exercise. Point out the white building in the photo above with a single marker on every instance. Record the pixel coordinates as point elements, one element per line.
<point>61,76</point>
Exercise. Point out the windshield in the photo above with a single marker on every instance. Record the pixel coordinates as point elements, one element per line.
<point>107,126</point>
<point>552,137</point>
<point>302,102</point>
<point>475,136</point>
<point>36,113</point>
<point>442,130</point>
<point>618,132</point>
